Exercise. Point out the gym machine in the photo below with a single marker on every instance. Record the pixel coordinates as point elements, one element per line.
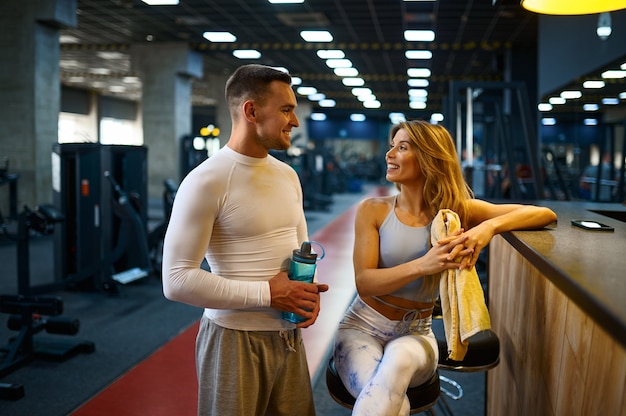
<point>31,314</point>
<point>103,241</point>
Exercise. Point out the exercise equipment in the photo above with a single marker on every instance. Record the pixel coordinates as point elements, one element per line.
<point>102,243</point>
<point>31,314</point>
<point>156,236</point>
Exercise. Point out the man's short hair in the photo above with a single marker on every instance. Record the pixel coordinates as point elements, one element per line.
<point>251,82</point>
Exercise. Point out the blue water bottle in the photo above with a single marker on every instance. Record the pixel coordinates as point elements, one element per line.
<point>302,268</point>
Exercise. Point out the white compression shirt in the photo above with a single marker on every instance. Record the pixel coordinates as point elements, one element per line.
<point>245,216</point>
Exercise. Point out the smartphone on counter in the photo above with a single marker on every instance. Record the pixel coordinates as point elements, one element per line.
<point>592,225</point>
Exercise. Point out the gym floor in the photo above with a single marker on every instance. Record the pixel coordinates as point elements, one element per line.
<point>127,328</point>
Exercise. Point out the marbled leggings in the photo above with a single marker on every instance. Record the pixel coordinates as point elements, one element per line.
<point>378,359</point>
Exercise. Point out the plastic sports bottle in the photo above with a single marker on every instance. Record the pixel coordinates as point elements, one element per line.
<point>302,268</point>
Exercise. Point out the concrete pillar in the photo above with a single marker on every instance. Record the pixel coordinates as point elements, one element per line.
<point>214,87</point>
<point>166,71</point>
<point>30,92</point>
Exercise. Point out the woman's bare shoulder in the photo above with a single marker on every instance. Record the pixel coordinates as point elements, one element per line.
<point>378,205</point>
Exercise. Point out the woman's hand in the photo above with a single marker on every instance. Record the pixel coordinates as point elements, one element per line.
<point>446,254</point>
<point>477,238</point>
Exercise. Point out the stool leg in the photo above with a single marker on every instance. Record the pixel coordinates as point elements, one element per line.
<point>454,384</point>
<point>445,407</point>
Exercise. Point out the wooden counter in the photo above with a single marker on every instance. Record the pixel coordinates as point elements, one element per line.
<point>557,299</point>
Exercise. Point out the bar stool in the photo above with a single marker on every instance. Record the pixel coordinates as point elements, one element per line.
<point>422,397</point>
<point>483,353</point>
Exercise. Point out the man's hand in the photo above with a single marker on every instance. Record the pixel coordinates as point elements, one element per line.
<point>298,297</point>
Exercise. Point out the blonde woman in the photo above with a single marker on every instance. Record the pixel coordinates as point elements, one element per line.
<point>385,342</point>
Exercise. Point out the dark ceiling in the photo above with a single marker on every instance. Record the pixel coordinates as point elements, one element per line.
<point>472,41</point>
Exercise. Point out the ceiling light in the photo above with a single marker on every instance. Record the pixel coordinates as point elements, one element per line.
<point>567,7</point>
<point>331,54</point>
<point>419,35</point>
<point>418,82</point>
<point>161,2</point>
<point>131,80</point>
<point>357,117</point>
<point>615,74</point>
<point>366,97</point>
<point>622,95</point>
<point>339,63</point>
<point>353,82</point>
<point>70,63</point>
<point>219,36</point>
<point>318,116</point>
<point>556,100</point>
<point>623,66</point>
<point>396,118</point>
<point>316,97</point>
<point>281,68</point>
<point>610,101</point>
<point>286,1</point>
<point>591,107</point>
<point>99,71</point>
<point>418,98</point>
<point>548,121</point>
<point>111,55</point>
<point>418,92</point>
<point>604,26</point>
<point>68,39</point>
<point>417,105</point>
<point>346,72</point>
<point>327,103</point>
<point>306,90</point>
<point>246,54</point>
<point>591,122</point>
<point>316,36</point>
<point>360,91</point>
<point>571,95</point>
<point>418,72</point>
<point>117,88</point>
<point>593,84</point>
<point>418,54</point>
<point>371,104</point>
<point>296,80</point>
<point>437,117</point>
<point>544,107</point>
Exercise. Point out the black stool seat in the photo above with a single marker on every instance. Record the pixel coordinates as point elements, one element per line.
<point>421,397</point>
<point>483,352</point>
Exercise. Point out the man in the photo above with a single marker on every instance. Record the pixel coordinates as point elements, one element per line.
<point>242,210</point>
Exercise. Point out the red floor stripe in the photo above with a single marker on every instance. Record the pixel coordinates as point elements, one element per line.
<point>165,383</point>
<point>162,385</point>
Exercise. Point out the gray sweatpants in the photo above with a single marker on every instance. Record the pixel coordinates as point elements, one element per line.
<point>251,373</point>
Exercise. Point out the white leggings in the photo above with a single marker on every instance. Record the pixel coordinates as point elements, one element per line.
<point>378,359</point>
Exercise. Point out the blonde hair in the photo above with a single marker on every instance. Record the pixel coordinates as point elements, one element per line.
<point>444,184</point>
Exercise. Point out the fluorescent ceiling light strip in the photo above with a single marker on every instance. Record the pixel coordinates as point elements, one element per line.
<point>422,54</point>
<point>316,36</point>
<point>219,36</point>
<point>419,35</point>
<point>331,54</point>
<point>246,54</point>
<point>161,2</point>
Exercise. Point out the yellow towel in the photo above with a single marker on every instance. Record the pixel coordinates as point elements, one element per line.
<point>462,297</point>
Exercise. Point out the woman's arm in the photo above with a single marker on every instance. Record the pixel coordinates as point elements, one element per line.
<point>487,219</point>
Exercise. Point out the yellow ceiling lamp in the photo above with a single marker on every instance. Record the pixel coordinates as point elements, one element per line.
<point>569,7</point>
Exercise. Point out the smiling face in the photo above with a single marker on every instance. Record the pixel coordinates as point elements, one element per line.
<point>401,161</point>
<point>275,116</point>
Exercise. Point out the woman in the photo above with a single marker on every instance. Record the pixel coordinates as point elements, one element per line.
<point>385,343</point>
